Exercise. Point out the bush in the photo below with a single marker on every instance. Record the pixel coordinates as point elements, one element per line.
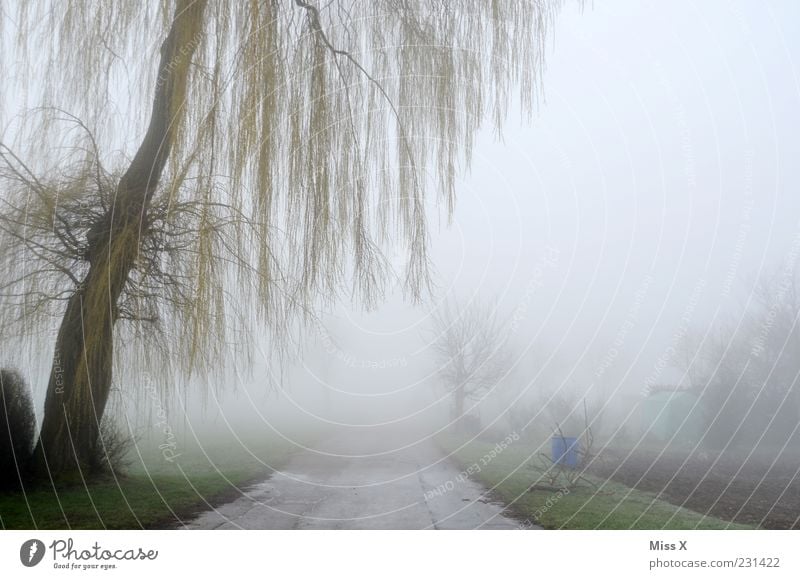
<point>112,450</point>
<point>17,429</point>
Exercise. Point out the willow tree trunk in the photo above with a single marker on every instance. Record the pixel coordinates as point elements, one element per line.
<point>80,378</point>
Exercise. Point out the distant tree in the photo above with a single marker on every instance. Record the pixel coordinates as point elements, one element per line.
<point>725,383</point>
<point>774,353</point>
<point>746,371</point>
<point>470,346</point>
<point>285,145</point>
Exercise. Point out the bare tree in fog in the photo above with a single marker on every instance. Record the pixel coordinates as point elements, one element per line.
<point>746,374</point>
<point>281,150</point>
<point>775,352</point>
<point>470,345</point>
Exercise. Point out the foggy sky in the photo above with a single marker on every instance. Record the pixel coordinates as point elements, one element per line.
<point>661,167</point>
<point>657,180</point>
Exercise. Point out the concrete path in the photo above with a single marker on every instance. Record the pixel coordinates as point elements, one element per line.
<point>357,480</point>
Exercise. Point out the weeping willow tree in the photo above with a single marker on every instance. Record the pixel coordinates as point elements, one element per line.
<point>187,171</point>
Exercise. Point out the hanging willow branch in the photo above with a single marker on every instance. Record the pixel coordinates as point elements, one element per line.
<point>312,137</point>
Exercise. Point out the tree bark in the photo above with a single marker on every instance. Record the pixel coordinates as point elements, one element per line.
<point>81,373</point>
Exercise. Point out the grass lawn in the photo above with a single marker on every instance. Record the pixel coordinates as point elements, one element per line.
<point>154,492</point>
<point>511,471</point>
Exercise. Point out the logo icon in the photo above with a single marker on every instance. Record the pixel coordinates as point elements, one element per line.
<point>31,552</point>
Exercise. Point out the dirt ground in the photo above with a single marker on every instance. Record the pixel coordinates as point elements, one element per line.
<point>762,489</point>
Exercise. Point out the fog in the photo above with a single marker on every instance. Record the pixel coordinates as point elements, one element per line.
<point>634,243</point>
<point>652,191</point>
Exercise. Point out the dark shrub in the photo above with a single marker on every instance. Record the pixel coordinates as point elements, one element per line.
<point>17,428</point>
<point>112,450</point>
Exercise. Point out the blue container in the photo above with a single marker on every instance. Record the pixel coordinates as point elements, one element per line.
<point>565,451</point>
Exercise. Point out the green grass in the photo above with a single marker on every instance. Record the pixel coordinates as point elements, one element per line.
<point>607,505</point>
<point>153,490</point>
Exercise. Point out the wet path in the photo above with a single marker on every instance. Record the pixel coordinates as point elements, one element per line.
<point>355,480</point>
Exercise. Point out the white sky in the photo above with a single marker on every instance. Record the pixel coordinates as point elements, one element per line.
<point>667,147</point>
<point>663,161</point>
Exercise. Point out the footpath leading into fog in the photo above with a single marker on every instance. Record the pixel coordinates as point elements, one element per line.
<point>360,479</point>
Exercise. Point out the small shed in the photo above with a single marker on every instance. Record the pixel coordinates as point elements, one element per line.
<point>668,413</point>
